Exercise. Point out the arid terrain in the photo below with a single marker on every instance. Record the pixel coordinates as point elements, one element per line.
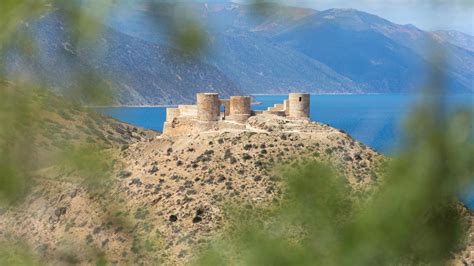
<point>166,196</point>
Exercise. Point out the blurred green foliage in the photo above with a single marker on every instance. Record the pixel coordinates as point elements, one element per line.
<point>23,105</point>
<point>17,255</point>
<point>189,37</point>
<point>17,127</point>
<point>183,26</point>
<point>91,163</point>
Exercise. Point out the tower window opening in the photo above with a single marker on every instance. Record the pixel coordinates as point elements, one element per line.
<point>300,99</point>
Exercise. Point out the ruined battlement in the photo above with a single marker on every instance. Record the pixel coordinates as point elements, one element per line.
<point>212,113</point>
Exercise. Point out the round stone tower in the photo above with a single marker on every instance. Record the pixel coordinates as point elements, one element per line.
<point>240,108</point>
<point>299,105</point>
<point>208,107</point>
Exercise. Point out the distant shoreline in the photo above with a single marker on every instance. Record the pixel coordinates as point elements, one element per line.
<point>176,105</point>
<point>336,93</point>
<point>253,103</point>
<point>130,106</point>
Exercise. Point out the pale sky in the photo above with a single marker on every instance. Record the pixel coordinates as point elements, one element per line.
<point>425,14</point>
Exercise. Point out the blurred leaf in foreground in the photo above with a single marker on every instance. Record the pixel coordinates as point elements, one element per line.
<point>92,164</point>
<point>16,255</point>
<point>17,132</point>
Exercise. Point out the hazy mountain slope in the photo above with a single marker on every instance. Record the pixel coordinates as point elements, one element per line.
<point>223,15</point>
<point>141,72</point>
<point>278,48</point>
<point>271,50</point>
<point>159,74</point>
<point>265,18</point>
<point>370,50</point>
<point>457,48</point>
<point>258,66</point>
<point>243,53</point>
<point>457,38</point>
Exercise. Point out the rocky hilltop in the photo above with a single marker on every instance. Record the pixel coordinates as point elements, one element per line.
<point>167,194</point>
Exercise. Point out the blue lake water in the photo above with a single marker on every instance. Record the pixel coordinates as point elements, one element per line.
<point>376,120</point>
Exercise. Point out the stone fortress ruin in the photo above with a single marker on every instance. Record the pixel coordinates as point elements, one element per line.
<point>211,113</point>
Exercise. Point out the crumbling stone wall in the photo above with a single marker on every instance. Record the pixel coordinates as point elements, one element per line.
<point>172,113</point>
<point>188,110</point>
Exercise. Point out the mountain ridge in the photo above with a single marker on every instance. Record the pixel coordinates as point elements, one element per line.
<point>267,25</point>
<point>276,49</point>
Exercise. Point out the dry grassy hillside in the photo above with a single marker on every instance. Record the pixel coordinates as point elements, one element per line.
<point>164,197</point>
